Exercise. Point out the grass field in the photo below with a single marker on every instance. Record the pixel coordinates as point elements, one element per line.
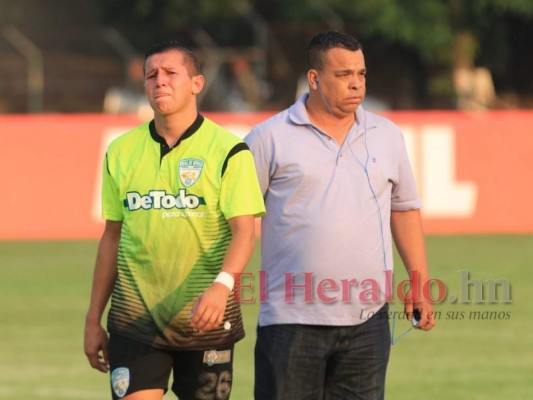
<point>44,292</point>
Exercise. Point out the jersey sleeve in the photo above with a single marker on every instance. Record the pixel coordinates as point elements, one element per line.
<point>111,204</point>
<point>240,193</point>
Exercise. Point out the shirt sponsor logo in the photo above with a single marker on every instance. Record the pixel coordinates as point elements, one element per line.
<point>189,170</point>
<point>160,199</point>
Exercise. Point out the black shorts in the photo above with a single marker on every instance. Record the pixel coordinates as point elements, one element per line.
<point>197,374</point>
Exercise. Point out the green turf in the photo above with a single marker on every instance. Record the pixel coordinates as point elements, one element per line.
<point>44,292</point>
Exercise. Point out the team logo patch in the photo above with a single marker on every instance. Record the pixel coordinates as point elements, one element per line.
<point>212,357</point>
<point>120,381</point>
<point>189,171</point>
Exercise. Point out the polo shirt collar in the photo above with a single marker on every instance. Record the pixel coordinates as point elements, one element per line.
<point>298,115</point>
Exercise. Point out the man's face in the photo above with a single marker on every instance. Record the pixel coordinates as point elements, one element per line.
<point>168,84</point>
<point>342,80</point>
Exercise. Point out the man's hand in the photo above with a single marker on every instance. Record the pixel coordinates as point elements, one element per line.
<point>208,309</point>
<point>95,346</point>
<point>427,316</point>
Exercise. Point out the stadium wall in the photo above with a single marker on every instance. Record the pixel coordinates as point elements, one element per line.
<point>473,170</point>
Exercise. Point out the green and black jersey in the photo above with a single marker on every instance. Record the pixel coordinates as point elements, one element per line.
<point>174,205</point>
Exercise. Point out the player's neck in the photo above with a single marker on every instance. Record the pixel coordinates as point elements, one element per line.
<point>172,127</point>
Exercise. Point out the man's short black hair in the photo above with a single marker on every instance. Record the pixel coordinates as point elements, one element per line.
<point>325,41</point>
<point>191,61</point>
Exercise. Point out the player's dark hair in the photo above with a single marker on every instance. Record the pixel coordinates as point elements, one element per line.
<point>191,61</point>
<point>324,41</point>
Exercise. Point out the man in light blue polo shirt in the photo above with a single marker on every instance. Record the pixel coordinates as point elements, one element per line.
<point>338,189</point>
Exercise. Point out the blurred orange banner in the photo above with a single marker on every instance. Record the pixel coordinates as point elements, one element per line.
<point>472,169</point>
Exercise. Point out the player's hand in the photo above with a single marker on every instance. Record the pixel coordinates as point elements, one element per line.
<point>427,316</point>
<point>96,347</point>
<point>208,309</point>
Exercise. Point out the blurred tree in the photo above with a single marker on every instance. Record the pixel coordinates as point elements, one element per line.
<point>443,37</point>
<point>447,35</point>
<point>144,22</point>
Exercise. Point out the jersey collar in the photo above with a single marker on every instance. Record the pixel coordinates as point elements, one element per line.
<point>188,133</point>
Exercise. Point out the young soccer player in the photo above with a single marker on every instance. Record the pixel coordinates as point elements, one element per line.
<point>180,195</point>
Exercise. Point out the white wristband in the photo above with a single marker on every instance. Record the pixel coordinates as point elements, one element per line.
<point>226,279</point>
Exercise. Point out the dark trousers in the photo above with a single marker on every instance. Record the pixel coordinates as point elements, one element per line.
<point>309,362</point>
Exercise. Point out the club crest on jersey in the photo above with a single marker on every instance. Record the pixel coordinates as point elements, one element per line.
<point>189,171</point>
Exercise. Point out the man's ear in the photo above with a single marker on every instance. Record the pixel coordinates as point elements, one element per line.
<point>312,77</point>
<point>198,82</point>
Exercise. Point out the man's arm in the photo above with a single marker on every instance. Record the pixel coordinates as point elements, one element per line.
<point>408,236</point>
<point>105,274</point>
<point>208,311</point>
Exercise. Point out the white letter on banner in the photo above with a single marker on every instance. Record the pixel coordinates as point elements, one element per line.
<point>442,195</point>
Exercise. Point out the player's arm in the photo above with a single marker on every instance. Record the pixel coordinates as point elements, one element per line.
<point>209,308</point>
<point>105,274</point>
<point>408,236</point>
